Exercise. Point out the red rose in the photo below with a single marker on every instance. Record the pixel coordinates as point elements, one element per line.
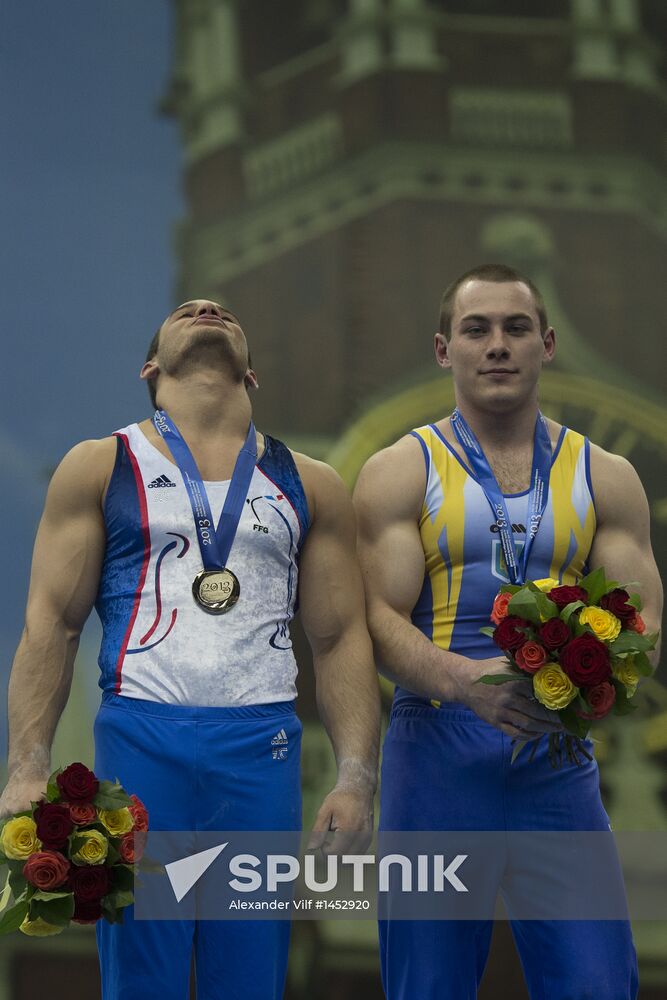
<point>554,633</point>
<point>531,656</point>
<point>500,607</point>
<point>601,698</point>
<point>77,783</point>
<point>131,846</point>
<point>82,813</point>
<point>507,635</point>
<point>616,602</point>
<point>562,596</point>
<point>54,824</point>
<point>46,869</point>
<point>636,623</point>
<point>90,882</point>
<point>87,912</point>
<point>139,813</point>
<point>585,660</point>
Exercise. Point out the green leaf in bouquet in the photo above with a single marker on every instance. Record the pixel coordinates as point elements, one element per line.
<point>17,881</point>
<point>54,907</point>
<point>635,601</point>
<point>574,723</point>
<point>622,705</point>
<point>52,792</point>
<point>569,610</point>
<point>110,912</point>
<point>122,877</point>
<point>76,842</point>
<point>5,894</point>
<point>15,866</point>
<point>48,896</point>
<point>113,854</point>
<point>111,795</point>
<point>120,897</point>
<point>487,630</point>
<point>596,585</point>
<point>546,607</point>
<point>95,825</point>
<point>150,865</point>
<point>643,665</point>
<point>52,789</point>
<point>498,678</point>
<point>12,918</point>
<point>524,604</point>
<point>578,628</point>
<point>510,588</point>
<point>54,775</point>
<point>632,642</point>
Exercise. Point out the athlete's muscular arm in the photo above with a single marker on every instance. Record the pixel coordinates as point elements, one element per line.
<point>388,499</point>
<point>622,542</point>
<point>65,573</point>
<point>331,599</point>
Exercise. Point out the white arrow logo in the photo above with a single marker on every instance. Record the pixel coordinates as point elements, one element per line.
<point>186,871</point>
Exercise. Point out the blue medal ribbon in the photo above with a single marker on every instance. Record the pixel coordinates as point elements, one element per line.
<point>537,498</point>
<point>214,543</point>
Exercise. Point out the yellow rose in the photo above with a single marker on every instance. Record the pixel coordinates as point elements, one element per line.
<point>117,821</point>
<point>94,851</point>
<point>605,625</point>
<point>627,673</point>
<point>39,928</point>
<point>19,838</point>
<point>546,585</point>
<point>552,687</point>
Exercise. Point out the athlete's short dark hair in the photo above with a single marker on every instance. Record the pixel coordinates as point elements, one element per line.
<point>499,273</point>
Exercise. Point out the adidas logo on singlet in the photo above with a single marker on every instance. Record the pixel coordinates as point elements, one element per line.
<point>279,745</point>
<point>160,481</point>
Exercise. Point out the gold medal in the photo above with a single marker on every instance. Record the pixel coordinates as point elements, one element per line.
<point>216,590</point>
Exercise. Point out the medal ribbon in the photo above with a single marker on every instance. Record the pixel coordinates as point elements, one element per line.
<point>537,498</point>
<point>214,543</point>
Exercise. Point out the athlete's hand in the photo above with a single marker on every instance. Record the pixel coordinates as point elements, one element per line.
<point>510,707</point>
<point>19,792</point>
<point>344,822</point>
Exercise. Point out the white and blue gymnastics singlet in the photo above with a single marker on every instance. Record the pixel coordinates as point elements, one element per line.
<point>157,643</point>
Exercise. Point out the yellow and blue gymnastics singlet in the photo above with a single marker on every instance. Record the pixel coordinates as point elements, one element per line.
<point>464,559</point>
<point>444,768</point>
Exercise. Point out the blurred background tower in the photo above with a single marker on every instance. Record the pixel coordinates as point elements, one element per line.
<point>343,161</point>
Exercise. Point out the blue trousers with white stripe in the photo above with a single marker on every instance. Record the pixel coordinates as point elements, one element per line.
<point>446,769</point>
<point>199,769</point>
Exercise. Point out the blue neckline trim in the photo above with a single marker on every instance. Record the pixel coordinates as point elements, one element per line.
<point>508,496</point>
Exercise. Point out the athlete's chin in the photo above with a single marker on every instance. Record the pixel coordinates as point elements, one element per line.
<point>501,399</point>
<point>213,347</point>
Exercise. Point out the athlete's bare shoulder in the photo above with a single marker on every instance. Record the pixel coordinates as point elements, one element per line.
<point>394,480</point>
<point>322,485</point>
<point>87,468</point>
<point>616,484</point>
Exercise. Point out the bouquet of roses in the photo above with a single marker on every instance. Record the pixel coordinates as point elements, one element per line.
<point>583,646</point>
<point>72,856</point>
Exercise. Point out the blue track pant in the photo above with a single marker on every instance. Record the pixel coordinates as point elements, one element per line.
<point>199,769</point>
<point>446,769</point>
